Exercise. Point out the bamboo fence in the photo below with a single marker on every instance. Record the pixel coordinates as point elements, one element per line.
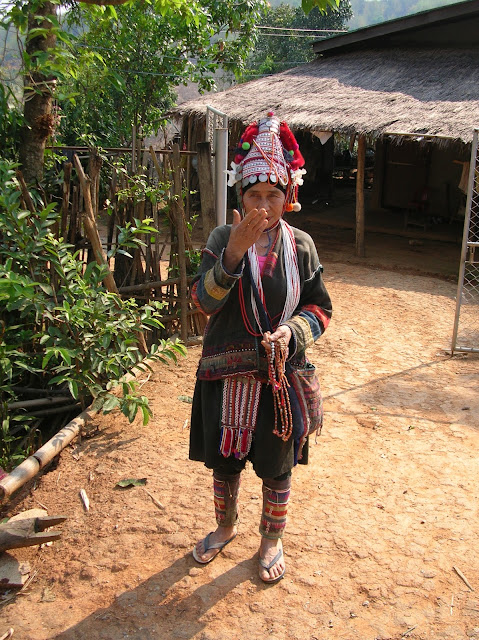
<point>95,208</point>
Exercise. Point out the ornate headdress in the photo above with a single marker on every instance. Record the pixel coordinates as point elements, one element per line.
<point>268,152</point>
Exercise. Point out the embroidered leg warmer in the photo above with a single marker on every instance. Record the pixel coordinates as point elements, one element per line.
<point>226,490</point>
<point>275,507</point>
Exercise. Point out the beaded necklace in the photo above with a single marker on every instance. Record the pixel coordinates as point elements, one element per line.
<point>279,385</point>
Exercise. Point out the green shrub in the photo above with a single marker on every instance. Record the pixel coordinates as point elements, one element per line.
<point>59,326</point>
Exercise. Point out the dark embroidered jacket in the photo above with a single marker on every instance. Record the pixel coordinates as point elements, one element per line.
<point>228,347</point>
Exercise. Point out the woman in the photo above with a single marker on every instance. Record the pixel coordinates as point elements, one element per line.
<point>238,411</point>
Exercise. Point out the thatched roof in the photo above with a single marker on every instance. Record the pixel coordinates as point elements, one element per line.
<point>378,91</point>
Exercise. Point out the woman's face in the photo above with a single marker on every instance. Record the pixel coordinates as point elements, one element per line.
<point>263,195</point>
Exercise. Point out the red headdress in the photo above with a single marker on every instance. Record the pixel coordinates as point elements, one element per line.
<point>268,152</point>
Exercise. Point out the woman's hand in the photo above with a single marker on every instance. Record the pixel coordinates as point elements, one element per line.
<point>281,337</point>
<point>244,233</point>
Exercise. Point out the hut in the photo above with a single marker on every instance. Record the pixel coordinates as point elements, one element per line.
<point>408,88</point>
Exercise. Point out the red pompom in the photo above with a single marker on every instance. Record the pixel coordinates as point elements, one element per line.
<point>290,144</point>
<point>249,135</point>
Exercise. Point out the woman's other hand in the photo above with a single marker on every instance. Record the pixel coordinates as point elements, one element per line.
<point>244,233</point>
<point>282,335</point>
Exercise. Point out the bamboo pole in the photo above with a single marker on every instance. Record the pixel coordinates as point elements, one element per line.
<point>133,149</point>
<point>187,239</point>
<point>91,228</point>
<point>38,402</point>
<point>25,193</point>
<point>360,196</point>
<point>94,237</point>
<point>32,465</point>
<point>188,170</point>
<point>67,172</point>
<point>121,149</point>
<point>114,208</point>
<point>95,163</point>
<point>72,229</point>
<point>181,242</point>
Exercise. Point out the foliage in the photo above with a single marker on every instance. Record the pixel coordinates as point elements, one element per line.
<point>142,55</point>
<point>58,324</point>
<point>10,121</point>
<point>278,50</point>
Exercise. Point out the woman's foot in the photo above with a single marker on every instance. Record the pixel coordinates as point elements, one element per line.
<point>271,560</point>
<point>208,548</point>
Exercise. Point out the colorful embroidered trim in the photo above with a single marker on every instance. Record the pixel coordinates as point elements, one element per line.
<point>212,288</point>
<point>225,494</point>
<point>239,412</point>
<point>275,510</point>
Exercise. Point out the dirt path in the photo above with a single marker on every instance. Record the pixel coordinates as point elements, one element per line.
<point>379,518</point>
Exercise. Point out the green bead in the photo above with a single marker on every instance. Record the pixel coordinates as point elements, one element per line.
<point>245,146</point>
<point>291,153</point>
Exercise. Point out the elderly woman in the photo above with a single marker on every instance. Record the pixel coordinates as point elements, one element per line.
<point>260,283</point>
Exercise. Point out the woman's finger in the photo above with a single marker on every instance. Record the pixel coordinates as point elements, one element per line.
<point>255,218</point>
<point>236,218</point>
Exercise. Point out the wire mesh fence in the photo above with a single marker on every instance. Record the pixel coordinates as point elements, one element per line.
<point>466,322</point>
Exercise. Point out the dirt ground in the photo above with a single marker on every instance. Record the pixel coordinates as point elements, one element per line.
<point>380,519</point>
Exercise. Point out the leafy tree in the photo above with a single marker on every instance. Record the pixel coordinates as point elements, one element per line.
<point>194,41</point>
<point>278,49</point>
<point>140,52</point>
<point>141,56</point>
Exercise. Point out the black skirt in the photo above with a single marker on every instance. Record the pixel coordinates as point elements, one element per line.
<point>269,454</point>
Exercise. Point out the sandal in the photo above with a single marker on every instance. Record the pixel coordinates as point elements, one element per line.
<point>266,566</point>
<point>214,545</point>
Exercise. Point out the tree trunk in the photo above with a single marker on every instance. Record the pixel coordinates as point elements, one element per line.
<point>38,90</point>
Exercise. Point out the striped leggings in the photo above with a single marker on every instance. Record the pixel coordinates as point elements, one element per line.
<point>275,502</point>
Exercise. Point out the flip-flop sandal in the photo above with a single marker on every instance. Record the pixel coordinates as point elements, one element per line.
<point>262,563</point>
<point>213,545</point>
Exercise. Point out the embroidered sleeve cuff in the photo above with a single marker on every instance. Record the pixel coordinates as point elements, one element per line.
<point>293,345</point>
<point>218,282</point>
<point>303,337</point>
<point>236,274</point>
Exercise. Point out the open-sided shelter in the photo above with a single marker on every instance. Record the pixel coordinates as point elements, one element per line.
<point>410,85</point>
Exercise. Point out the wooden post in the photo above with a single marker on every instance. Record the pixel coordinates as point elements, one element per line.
<point>360,196</point>
<point>179,219</point>
<point>207,195</point>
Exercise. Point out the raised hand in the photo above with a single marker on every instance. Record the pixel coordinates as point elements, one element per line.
<point>244,233</point>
